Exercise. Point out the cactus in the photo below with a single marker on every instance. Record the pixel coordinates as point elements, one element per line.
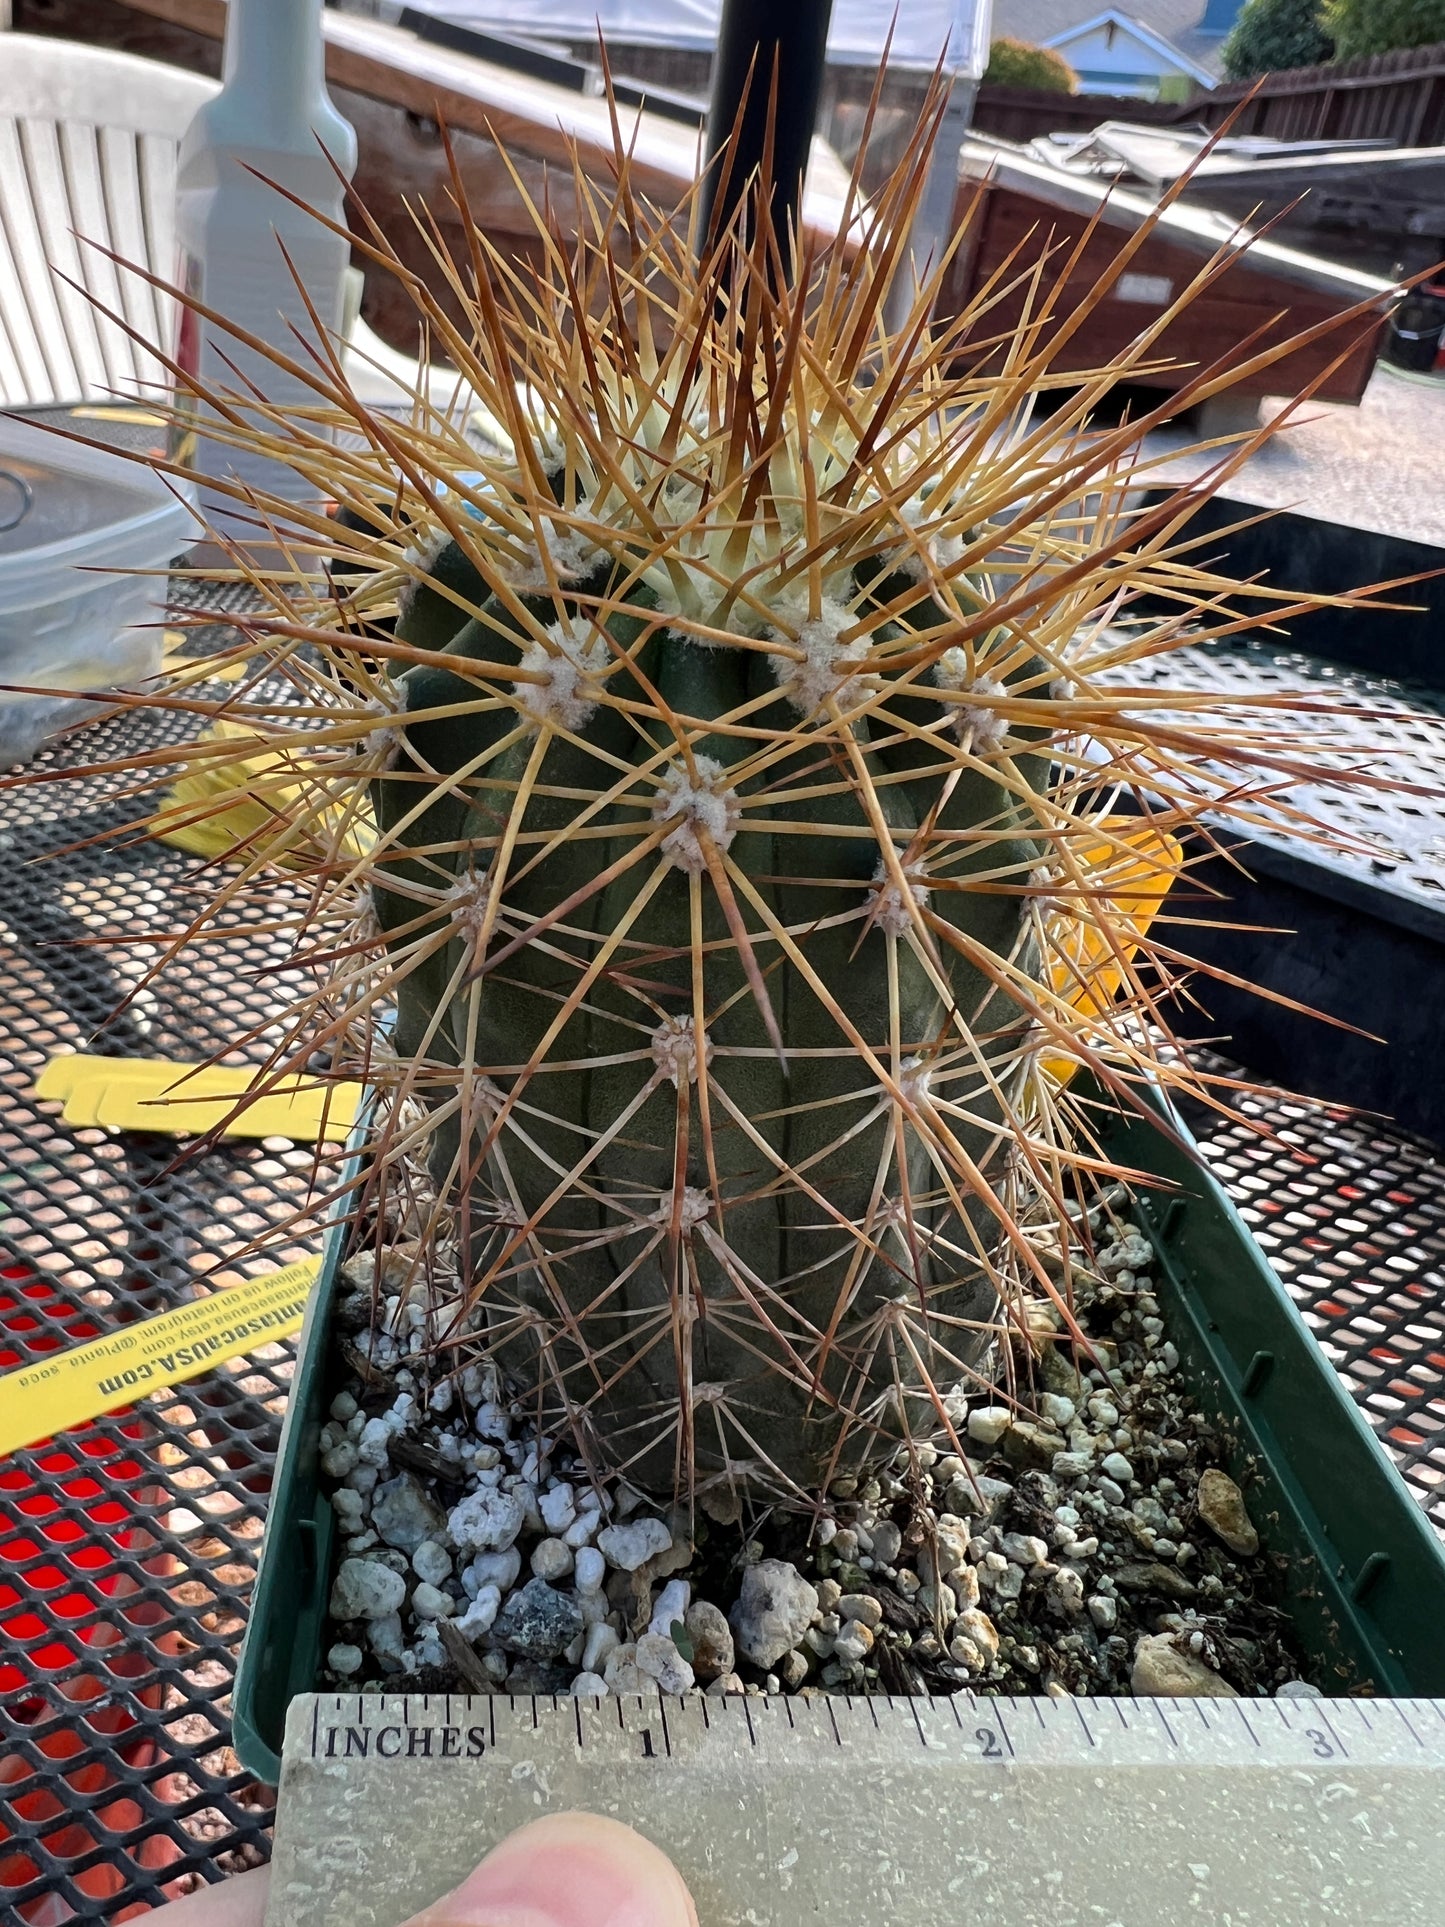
<point>741,792</point>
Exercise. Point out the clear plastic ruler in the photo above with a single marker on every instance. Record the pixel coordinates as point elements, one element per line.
<point>1060,1813</point>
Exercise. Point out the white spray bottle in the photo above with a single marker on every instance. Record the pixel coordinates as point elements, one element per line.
<point>273,115</point>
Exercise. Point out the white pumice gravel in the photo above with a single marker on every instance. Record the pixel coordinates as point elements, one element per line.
<point>1087,1541</point>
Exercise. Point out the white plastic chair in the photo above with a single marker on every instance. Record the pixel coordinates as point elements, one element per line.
<point>88,146</point>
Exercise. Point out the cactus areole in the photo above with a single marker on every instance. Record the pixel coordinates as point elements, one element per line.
<point>739,802</point>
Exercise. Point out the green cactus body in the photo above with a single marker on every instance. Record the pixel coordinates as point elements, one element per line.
<point>732,1255</point>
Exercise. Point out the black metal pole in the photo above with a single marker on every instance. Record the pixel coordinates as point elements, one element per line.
<point>755,39</point>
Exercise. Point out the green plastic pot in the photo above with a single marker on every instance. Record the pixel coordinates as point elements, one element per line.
<point>1363,1571</point>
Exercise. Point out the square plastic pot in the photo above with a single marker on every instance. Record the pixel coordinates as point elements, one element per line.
<point>1363,1572</point>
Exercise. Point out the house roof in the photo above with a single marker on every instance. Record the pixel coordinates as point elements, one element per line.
<point>1174,21</point>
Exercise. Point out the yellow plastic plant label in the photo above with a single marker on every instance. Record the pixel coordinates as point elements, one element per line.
<point>184,1100</point>
<point>38,1401</point>
<point>1135,870</point>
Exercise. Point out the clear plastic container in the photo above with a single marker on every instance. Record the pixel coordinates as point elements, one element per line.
<point>73,622</point>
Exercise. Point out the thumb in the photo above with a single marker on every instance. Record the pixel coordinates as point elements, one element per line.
<point>568,1870</point>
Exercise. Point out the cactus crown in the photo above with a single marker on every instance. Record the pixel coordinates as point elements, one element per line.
<point>730,816</point>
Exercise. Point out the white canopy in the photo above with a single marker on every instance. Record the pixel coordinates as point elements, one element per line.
<point>922,29</point>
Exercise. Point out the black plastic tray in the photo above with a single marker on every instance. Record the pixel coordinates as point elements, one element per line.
<point>1363,1572</point>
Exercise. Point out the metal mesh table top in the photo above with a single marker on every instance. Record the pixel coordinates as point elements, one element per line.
<point>128,1548</point>
<point>1405,826</point>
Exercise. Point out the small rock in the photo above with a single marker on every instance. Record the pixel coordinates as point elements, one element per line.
<point>1058,1411</point>
<point>671,1605</point>
<point>854,1643</point>
<point>1071,1465</point>
<point>551,1560</point>
<point>429,1602</point>
<point>558,1508</point>
<point>487,1521</point>
<point>792,1670</point>
<point>862,1607</point>
<point>1023,1549</point>
<point>1113,1493</point>
<point>365,1589</point>
<point>1066,1592</point>
<point>343,1407</point>
<point>727,1684</point>
<point>620,1671</point>
<point>1297,1689</point>
<point>632,1544</point>
<point>987,1425</point>
<point>713,1652</point>
<point>659,1659</point>
<point>774,1610</point>
<point>432,1562</point>
<point>1117,1467</point>
<point>538,1622</point>
<point>887,1543</point>
<point>589,1686</point>
<point>981,1633</point>
<point>1030,1447</point>
<point>499,1569</point>
<point>952,1543</point>
<point>340,1460</point>
<point>480,1616</point>
<point>601,1639</point>
<point>583,1529</point>
<point>1137,1576</point>
<point>590,1568</point>
<point>1161,1671</point>
<point>1103,1611</point>
<point>385,1640</point>
<point>1221,1507</point>
<point>346,1659</point>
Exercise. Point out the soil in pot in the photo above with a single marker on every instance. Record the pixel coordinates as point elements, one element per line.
<point>1086,1539</point>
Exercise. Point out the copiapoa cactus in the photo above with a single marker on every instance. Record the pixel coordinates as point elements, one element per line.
<point>728,814</point>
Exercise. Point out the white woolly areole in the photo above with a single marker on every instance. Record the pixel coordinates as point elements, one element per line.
<point>674,1051</point>
<point>828,665</point>
<point>980,730</point>
<point>384,738</point>
<point>1043,884</point>
<point>424,557</point>
<point>913,1079</point>
<point>571,554</point>
<point>707,805</point>
<point>468,898</point>
<point>893,911</point>
<point>943,548</point>
<point>693,1207</point>
<point>572,665</point>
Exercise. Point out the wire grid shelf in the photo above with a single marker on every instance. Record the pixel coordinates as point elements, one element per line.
<point>128,1547</point>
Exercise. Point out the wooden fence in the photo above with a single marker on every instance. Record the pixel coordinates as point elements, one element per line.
<point>1398,97</point>
<point>1020,113</point>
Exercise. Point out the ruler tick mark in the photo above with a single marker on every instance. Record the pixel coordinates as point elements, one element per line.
<point>666,1735</point>
<point>577,1717</point>
<point>1004,1732</point>
<point>1159,1711</point>
<point>837,1736</point>
<point>1244,1718</point>
<point>1404,1721</point>
<point>315,1729</point>
<point>1085,1724</point>
<point>788,1709</point>
<point>913,1709</point>
<point>748,1715</point>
